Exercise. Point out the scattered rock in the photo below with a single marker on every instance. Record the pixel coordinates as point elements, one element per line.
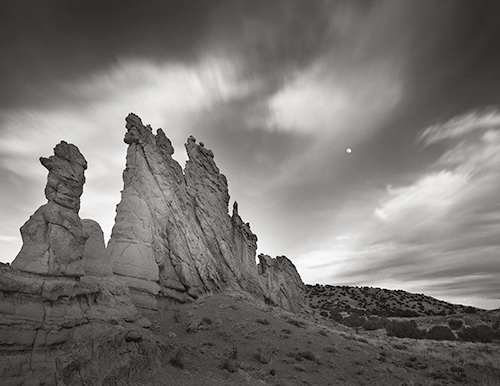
<point>300,367</point>
<point>133,336</point>
<point>266,354</point>
<point>194,326</point>
<point>228,364</point>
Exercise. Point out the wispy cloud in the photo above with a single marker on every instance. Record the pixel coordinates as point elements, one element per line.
<point>328,99</point>
<point>439,234</point>
<point>460,126</point>
<point>9,239</point>
<point>168,95</point>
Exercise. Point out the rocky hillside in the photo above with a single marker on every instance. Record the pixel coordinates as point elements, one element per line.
<point>378,301</point>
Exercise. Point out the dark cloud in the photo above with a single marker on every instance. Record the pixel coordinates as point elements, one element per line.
<point>43,43</point>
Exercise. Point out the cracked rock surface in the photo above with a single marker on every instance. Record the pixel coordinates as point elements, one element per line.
<point>173,236</point>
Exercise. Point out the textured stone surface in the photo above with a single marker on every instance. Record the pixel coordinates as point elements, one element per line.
<point>53,238</point>
<point>283,283</point>
<point>59,330</point>
<point>95,258</point>
<point>66,175</point>
<point>173,235</point>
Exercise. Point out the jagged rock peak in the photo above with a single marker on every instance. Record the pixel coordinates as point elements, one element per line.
<point>173,235</point>
<point>137,132</point>
<point>66,175</point>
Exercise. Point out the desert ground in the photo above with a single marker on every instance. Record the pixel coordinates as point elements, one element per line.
<point>230,339</point>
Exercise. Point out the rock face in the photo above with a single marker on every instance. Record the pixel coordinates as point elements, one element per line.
<point>95,258</point>
<point>58,331</point>
<point>53,238</point>
<point>67,315</point>
<point>60,321</point>
<point>283,283</point>
<point>173,235</point>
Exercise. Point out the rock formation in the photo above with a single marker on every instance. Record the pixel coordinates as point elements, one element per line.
<point>59,319</point>
<point>59,330</point>
<point>173,236</point>
<point>53,238</point>
<point>67,319</point>
<point>284,286</point>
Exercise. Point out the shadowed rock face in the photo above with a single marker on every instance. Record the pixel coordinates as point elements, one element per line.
<point>173,235</point>
<point>283,283</point>
<point>95,258</point>
<point>53,237</point>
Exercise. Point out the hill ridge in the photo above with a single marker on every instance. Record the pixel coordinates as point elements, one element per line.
<point>366,300</point>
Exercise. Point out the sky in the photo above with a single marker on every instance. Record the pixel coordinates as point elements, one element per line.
<point>279,90</point>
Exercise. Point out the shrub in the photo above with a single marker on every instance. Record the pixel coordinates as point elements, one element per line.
<point>308,355</point>
<point>207,320</point>
<point>470,310</point>
<point>177,359</point>
<point>265,322</point>
<point>374,323</point>
<point>404,329</point>
<point>354,320</point>
<point>455,324</point>
<point>403,313</point>
<point>331,349</point>
<point>482,333</point>
<point>296,323</point>
<point>324,314</point>
<point>228,364</point>
<point>440,333</point>
<point>336,316</point>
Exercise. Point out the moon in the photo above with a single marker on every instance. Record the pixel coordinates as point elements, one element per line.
<point>348,150</point>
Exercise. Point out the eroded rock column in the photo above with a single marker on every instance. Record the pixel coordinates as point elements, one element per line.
<point>53,237</point>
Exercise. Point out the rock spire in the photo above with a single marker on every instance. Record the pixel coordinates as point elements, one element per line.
<point>173,235</point>
<point>53,237</point>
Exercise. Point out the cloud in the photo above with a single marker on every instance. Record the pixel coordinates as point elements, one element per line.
<point>410,213</point>
<point>168,95</point>
<point>337,102</point>
<point>460,126</point>
<point>9,239</point>
<point>438,235</point>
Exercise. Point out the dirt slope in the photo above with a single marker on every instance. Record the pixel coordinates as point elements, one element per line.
<point>233,340</point>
